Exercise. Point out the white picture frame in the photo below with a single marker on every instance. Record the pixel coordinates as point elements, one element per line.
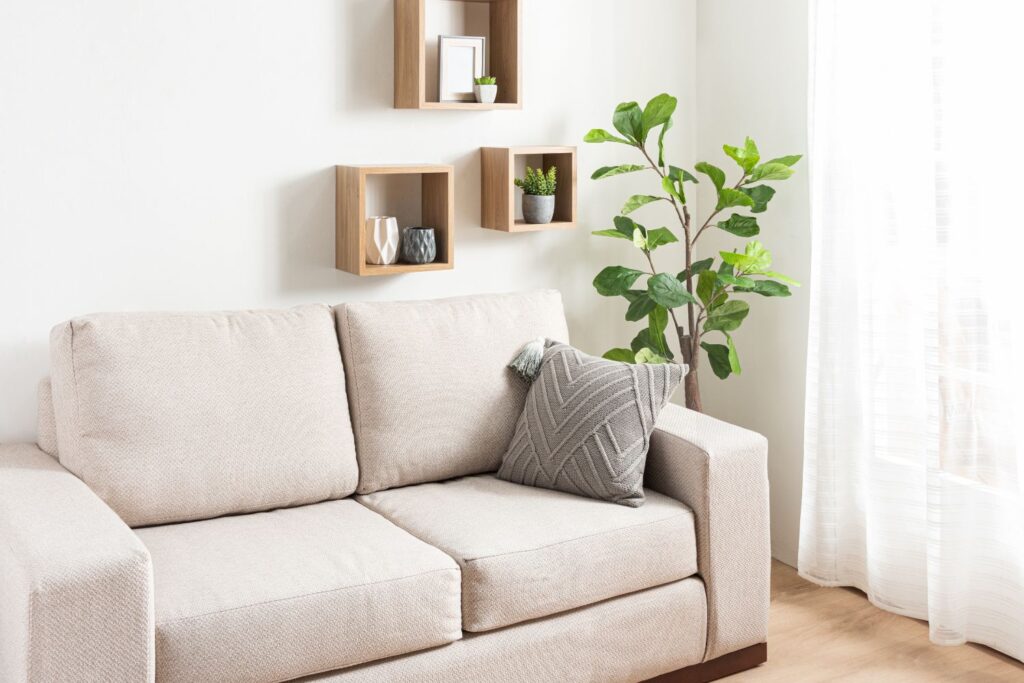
<point>460,59</point>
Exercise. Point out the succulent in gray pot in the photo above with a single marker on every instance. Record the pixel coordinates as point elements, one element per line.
<point>538,194</point>
<point>486,89</point>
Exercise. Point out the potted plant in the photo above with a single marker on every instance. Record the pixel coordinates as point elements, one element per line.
<point>709,296</point>
<point>538,194</point>
<point>485,89</point>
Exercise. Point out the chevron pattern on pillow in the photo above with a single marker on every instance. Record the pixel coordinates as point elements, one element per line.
<point>586,425</point>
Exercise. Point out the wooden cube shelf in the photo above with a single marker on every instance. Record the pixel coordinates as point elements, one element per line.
<point>437,206</point>
<point>498,190</point>
<point>504,45</point>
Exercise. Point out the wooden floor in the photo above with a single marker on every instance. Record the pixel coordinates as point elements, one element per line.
<point>835,634</point>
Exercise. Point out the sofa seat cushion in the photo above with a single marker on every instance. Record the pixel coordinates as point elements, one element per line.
<point>527,553</point>
<point>276,595</point>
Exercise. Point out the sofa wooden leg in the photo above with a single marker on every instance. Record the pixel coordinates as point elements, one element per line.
<point>723,666</point>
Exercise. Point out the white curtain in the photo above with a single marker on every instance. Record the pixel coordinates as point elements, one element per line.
<point>914,436</point>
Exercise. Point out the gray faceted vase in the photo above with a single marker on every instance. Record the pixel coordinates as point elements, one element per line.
<point>538,208</point>
<point>418,245</point>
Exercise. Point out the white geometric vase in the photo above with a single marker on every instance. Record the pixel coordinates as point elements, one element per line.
<point>381,240</point>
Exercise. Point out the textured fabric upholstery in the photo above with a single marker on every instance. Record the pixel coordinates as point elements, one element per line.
<point>431,395</point>
<point>720,471</point>
<point>180,416</point>
<point>623,640</point>
<point>75,586</point>
<point>272,596</point>
<point>587,423</point>
<point>528,553</point>
<point>46,424</point>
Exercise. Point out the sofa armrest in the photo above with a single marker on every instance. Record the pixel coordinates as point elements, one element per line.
<point>720,471</point>
<point>76,595</point>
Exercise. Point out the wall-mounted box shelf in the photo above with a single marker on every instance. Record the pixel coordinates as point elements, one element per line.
<point>498,190</point>
<point>504,46</point>
<point>437,210</point>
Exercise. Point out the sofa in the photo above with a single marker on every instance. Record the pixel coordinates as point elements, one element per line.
<point>309,494</point>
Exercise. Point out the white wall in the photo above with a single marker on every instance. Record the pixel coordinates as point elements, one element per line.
<point>752,80</point>
<point>158,155</point>
<point>179,155</point>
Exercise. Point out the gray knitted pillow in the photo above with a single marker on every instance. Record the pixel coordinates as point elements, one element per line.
<point>587,424</point>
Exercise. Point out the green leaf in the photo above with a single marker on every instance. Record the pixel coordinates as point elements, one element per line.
<point>627,227</point>
<point>640,307</point>
<point>674,189</point>
<point>610,233</point>
<point>728,197</point>
<point>706,282</point>
<point>643,340</point>
<point>779,276</point>
<point>682,175</point>
<point>601,135</point>
<point>667,291</point>
<point>639,238</point>
<point>648,356</point>
<point>754,259</point>
<point>627,119</point>
<point>747,156</point>
<point>789,160</point>
<point>620,355</point>
<point>734,358</point>
<point>657,112</point>
<point>716,174</point>
<point>638,200</point>
<point>725,269</point>
<point>730,279</point>
<point>718,357</point>
<point>741,226</point>
<point>658,237</point>
<point>761,195</point>
<point>615,280</point>
<point>771,171</point>
<point>657,322</point>
<point>767,288</point>
<point>695,267</point>
<point>609,171</point>
<point>661,142</point>
<point>727,317</point>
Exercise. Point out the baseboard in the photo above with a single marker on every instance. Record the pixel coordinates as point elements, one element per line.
<point>723,666</point>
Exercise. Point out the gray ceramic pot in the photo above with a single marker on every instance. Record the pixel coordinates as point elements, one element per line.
<point>538,208</point>
<point>419,245</point>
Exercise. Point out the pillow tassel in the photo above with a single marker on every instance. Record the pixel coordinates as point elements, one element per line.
<point>527,362</point>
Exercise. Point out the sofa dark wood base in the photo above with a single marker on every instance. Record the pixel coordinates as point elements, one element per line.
<point>723,666</point>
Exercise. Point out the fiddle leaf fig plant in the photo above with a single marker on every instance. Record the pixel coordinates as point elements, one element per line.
<point>709,296</point>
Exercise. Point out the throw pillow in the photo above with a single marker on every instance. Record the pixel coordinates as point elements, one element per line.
<point>587,422</point>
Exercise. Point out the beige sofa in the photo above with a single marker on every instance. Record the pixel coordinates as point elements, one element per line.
<point>227,497</point>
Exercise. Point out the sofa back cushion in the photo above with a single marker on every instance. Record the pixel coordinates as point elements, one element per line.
<point>430,392</point>
<point>171,417</point>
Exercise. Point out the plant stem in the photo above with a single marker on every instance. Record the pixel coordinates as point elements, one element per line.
<point>689,341</point>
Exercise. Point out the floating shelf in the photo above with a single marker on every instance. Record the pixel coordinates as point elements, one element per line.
<point>437,209</point>
<point>503,44</point>
<point>498,190</point>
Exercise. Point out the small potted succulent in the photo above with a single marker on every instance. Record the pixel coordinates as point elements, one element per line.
<point>485,89</point>
<point>538,194</point>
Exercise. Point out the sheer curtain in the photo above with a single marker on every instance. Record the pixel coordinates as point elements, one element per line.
<point>914,436</point>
